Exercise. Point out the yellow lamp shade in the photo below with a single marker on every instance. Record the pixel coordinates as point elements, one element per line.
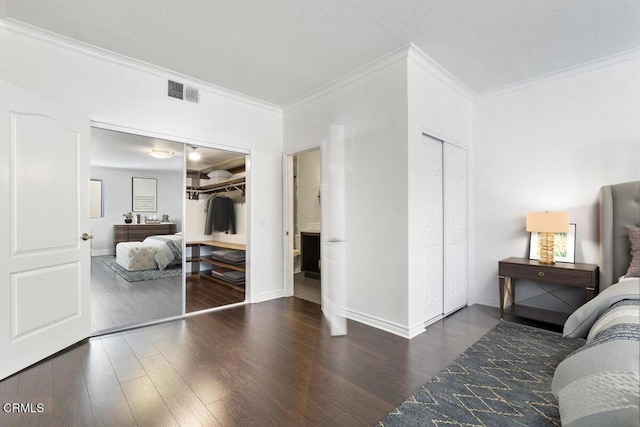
<point>548,222</point>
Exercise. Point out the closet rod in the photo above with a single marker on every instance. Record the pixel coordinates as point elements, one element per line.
<point>239,187</point>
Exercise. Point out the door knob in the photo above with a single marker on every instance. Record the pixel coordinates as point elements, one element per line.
<point>86,236</point>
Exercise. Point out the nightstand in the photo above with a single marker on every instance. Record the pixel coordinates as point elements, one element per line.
<point>583,276</point>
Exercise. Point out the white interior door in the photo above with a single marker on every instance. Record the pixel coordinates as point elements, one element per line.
<point>333,236</point>
<point>432,229</point>
<point>44,261</point>
<point>288,226</point>
<point>455,227</point>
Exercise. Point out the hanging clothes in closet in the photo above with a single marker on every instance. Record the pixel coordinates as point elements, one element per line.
<point>221,215</point>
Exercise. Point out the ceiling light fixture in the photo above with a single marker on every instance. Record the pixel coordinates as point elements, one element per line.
<point>194,155</point>
<point>161,154</point>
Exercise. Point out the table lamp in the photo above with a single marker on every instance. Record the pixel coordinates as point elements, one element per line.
<point>547,224</point>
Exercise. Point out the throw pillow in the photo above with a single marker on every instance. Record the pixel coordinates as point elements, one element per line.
<point>634,245</point>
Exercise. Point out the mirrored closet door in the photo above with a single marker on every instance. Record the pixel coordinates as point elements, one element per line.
<point>137,244</point>
<point>215,232</point>
<point>150,263</point>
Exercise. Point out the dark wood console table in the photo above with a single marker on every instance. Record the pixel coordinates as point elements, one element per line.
<point>138,232</point>
<point>583,276</point>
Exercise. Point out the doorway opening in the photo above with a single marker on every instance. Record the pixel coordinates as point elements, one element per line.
<point>306,217</point>
<point>330,209</point>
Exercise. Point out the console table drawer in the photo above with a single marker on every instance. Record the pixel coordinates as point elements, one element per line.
<point>579,278</point>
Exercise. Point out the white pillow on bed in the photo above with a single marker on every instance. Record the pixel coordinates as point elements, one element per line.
<point>634,245</point>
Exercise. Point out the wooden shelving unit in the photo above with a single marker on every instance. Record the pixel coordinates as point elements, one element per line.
<point>193,260</point>
<point>197,259</point>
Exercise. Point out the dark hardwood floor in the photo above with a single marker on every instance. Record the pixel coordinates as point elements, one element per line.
<point>117,303</point>
<point>267,364</point>
<point>306,288</point>
<point>203,294</point>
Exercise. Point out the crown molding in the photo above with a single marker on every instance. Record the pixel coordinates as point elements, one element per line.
<point>425,62</point>
<point>351,77</point>
<point>73,45</point>
<point>586,67</point>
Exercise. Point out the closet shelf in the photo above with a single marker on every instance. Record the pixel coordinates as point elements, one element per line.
<point>222,186</point>
<point>206,274</point>
<point>237,267</point>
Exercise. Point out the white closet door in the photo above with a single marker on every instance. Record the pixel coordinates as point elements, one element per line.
<point>432,229</point>
<point>455,228</point>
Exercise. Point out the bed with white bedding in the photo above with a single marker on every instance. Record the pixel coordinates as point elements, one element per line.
<point>599,384</point>
<point>154,252</point>
<point>168,249</point>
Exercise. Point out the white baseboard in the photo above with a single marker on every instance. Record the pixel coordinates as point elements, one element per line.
<point>491,302</point>
<point>433,320</point>
<point>385,325</point>
<point>101,252</point>
<point>267,296</point>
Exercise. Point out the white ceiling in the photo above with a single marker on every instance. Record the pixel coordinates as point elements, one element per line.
<point>280,50</point>
<point>120,150</point>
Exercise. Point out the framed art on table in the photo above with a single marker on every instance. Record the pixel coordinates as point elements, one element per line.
<point>564,244</point>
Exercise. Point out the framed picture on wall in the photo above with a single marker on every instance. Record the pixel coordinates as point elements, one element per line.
<point>144,195</point>
<point>564,244</point>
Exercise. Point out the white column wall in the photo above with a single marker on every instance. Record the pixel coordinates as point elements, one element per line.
<point>373,110</point>
<point>111,89</point>
<point>551,146</point>
<point>440,106</point>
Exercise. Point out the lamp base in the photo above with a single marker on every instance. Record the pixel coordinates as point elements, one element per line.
<point>546,248</point>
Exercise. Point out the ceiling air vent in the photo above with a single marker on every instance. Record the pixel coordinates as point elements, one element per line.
<point>176,90</point>
<point>180,91</point>
<point>191,94</point>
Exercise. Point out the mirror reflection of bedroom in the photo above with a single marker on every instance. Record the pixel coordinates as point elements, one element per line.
<point>136,211</point>
<point>140,236</point>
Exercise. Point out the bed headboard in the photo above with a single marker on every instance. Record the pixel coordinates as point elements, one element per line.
<point>619,206</point>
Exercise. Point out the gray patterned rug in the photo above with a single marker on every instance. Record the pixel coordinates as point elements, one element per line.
<point>504,379</point>
<point>138,276</point>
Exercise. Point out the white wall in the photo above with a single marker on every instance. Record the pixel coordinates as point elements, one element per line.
<point>108,88</point>
<point>551,146</point>
<point>372,107</point>
<point>441,107</point>
<point>116,190</point>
